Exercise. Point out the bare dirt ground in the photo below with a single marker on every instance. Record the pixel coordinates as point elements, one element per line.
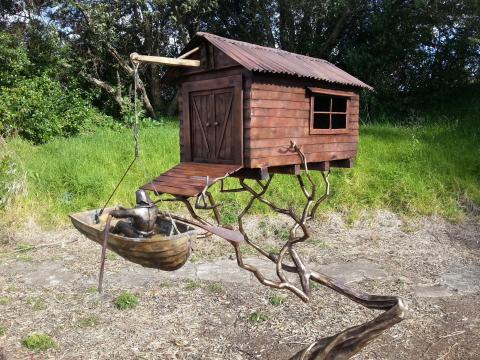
<point>203,310</point>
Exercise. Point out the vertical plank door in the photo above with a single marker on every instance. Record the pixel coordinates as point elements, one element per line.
<point>213,120</point>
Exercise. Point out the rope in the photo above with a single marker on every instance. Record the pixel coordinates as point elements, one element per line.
<point>135,139</point>
<point>135,124</point>
<point>136,146</point>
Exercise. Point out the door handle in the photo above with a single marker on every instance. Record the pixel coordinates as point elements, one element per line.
<point>215,123</point>
<point>207,124</point>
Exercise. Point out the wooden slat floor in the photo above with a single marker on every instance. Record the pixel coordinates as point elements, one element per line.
<point>189,178</point>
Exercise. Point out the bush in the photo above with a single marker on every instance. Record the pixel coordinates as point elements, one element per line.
<point>14,60</point>
<point>39,109</point>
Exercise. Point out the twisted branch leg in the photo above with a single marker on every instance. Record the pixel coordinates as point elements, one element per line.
<point>346,343</point>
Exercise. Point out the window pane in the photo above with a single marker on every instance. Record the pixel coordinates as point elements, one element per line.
<point>321,121</point>
<point>339,121</point>
<point>339,104</point>
<point>321,103</point>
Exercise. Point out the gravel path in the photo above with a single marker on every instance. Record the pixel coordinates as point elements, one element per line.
<point>203,311</point>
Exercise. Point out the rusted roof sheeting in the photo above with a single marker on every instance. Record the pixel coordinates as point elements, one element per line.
<point>276,61</point>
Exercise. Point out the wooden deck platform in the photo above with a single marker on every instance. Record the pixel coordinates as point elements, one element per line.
<point>189,178</point>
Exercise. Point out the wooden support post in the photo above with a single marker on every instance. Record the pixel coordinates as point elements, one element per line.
<point>188,53</point>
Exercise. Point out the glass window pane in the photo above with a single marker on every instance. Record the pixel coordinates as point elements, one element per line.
<point>321,103</point>
<point>339,104</point>
<point>321,121</point>
<point>339,121</point>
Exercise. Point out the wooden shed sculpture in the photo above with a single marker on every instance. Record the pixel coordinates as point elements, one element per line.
<point>251,112</point>
<point>244,104</point>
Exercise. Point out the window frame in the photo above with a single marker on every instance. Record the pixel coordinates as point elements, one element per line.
<point>348,95</point>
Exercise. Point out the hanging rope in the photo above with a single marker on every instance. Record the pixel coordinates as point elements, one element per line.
<point>135,124</point>
<point>135,139</point>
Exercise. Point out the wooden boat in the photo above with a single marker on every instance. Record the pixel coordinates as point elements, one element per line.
<point>165,250</point>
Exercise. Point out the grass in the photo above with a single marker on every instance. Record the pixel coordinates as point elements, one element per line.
<point>425,167</point>
<point>3,330</point>
<point>21,247</point>
<point>38,341</point>
<point>89,321</point>
<point>37,304</point>
<point>4,300</point>
<point>216,288</point>
<point>126,301</point>
<point>92,289</point>
<point>277,299</point>
<point>257,317</point>
<point>192,284</point>
<point>111,256</point>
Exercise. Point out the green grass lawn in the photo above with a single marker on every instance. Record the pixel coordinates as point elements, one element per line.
<point>412,170</point>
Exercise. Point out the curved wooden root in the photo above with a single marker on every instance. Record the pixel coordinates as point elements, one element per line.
<point>350,341</point>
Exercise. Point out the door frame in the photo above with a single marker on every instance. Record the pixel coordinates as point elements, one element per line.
<point>234,81</point>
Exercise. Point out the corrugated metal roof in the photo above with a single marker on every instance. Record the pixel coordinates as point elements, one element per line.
<point>275,61</point>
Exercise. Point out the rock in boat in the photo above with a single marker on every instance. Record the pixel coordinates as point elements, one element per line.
<point>165,250</point>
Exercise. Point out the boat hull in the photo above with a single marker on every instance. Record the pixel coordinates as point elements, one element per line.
<point>160,251</point>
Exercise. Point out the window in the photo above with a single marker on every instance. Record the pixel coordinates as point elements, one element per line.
<point>329,111</point>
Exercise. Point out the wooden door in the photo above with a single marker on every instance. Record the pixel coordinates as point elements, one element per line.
<point>213,126</point>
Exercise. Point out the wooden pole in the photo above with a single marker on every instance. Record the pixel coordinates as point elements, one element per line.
<point>164,60</point>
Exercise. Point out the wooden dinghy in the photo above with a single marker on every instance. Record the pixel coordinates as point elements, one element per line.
<point>165,250</point>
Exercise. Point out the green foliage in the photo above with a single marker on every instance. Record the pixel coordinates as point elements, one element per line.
<point>35,104</point>
<point>257,317</point>
<point>14,60</point>
<point>126,301</point>
<point>277,299</point>
<point>3,330</point>
<point>403,51</point>
<point>38,341</point>
<point>39,109</point>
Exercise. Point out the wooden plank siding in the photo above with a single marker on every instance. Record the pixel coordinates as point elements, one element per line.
<point>279,113</point>
<point>276,110</point>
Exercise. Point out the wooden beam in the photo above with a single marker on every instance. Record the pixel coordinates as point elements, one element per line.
<point>254,174</point>
<point>285,169</point>
<point>344,163</point>
<point>319,166</point>
<point>164,60</point>
<point>188,53</point>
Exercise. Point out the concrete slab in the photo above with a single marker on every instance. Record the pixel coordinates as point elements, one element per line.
<point>354,271</point>
<point>223,270</point>
<point>432,291</point>
<point>464,279</point>
<point>47,274</point>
